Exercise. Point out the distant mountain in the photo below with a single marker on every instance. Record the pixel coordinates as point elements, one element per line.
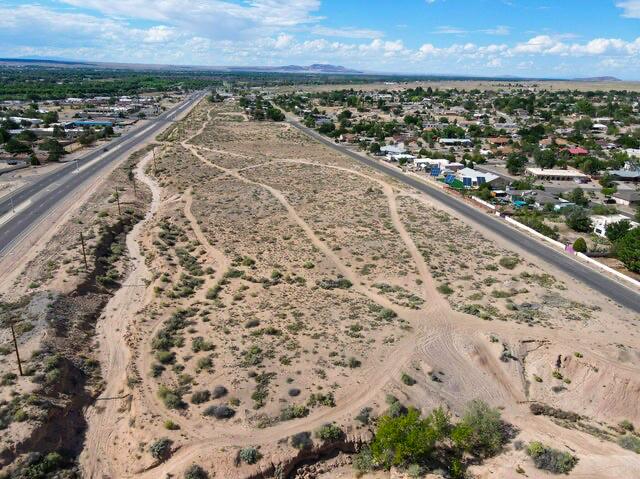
<point>588,79</point>
<point>315,68</point>
<point>36,60</point>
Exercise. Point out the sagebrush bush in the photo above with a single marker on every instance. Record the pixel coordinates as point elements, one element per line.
<point>329,432</point>
<point>195,472</point>
<point>219,412</point>
<point>218,392</point>
<point>301,440</point>
<point>549,459</point>
<point>249,455</point>
<point>631,442</point>
<point>161,448</point>
<point>199,397</point>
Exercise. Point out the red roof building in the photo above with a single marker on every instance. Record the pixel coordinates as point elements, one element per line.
<point>577,151</point>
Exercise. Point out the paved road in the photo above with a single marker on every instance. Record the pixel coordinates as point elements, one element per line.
<point>34,201</point>
<point>619,293</point>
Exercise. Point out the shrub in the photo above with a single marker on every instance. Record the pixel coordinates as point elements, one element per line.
<point>171,398</point>
<point>294,392</point>
<point>294,411</point>
<point>161,448</point>
<point>628,250</point>
<point>580,245</point>
<point>549,459</point>
<point>481,431</point>
<point>301,440</point>
<point>364,415</point>
<point>329,432</point>
<point>408,439</point>
<point>218,392</point>
<point>408,380</point>
<point>631,442</point>
<point>509,262</point>
<point>340,283</point>
<point>363,461</point>
<point>195,472</point>
<point>445,289</point>
<point>249,455</point>
<point>170,425</point>
<point>199,397</point>
<point>626,425</point>
<point>219,412</point>
<point>354,363</point>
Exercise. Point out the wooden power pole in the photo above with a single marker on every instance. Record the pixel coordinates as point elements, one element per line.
<point>15,345</point>
<point>84,252</point>
<point>155,166</point>
<point>118,201</point>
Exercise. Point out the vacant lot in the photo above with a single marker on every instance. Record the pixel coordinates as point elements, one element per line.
<point>289,287</point>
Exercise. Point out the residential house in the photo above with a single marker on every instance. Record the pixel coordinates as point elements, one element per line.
<point>545,174</point>
<point>626,197</point>
<point>630,172</point>
<point>474,179</point>
<point>455,142</point>
<point>601,223</point>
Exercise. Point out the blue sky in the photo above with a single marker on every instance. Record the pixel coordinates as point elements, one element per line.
<point>542,38</point>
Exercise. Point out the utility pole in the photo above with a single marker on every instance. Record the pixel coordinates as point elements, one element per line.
<point>84,252</point>
<point>118,201</point>
<point>15,344</point>
<point>132,178</point>
<point>155,166</point>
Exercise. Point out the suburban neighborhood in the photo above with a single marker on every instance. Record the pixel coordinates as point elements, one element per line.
<point>563,163</point>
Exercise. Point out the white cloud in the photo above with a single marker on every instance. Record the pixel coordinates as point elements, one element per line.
<point>348,32</point>
<point>631,8</point>
<point>159,34</point>
<point>246,34</point>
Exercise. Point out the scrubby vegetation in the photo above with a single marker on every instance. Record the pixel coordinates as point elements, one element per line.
<point>549,459</point>
<point>407,440</point>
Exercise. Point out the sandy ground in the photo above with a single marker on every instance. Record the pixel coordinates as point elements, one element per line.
<point>263,215</point>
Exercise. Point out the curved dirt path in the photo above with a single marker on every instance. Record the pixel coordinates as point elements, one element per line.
<point>442,337</point>
<point>104,417</point>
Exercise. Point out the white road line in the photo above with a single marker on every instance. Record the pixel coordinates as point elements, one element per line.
<point>7,216</point>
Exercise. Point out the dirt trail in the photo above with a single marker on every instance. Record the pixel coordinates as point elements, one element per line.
<point>104,417</point>
<point>443,339</point>
<point>144,360</point>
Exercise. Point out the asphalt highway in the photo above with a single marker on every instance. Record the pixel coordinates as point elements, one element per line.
<point>35,201</point>
<point>621,294</point>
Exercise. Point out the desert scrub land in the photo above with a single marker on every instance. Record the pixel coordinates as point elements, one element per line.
<point>481,278</point>
<point>297,301</point>
<point>54,304</point>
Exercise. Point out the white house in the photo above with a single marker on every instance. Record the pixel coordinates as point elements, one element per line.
<point>601,223</point>
<point>455,142</point>
<point>398,149</point>
<point>473,179</point>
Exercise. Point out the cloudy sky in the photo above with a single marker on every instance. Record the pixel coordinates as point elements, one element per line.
<point>542,38</point>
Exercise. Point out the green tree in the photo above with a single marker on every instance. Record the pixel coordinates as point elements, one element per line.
<point>4,135</point>
<point>628,250</point>
<point>616,231</point>
<point>27,135</point>
<point>408,439</point>
<point>578,220</point>
<point>580,245</point>
<point>50,117</point>
<point>545,158</point>
<point>374,148</point>
<point>515,163</point>
<point>578,197</point>
<point>481,431</point>
<point>14,146</point>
